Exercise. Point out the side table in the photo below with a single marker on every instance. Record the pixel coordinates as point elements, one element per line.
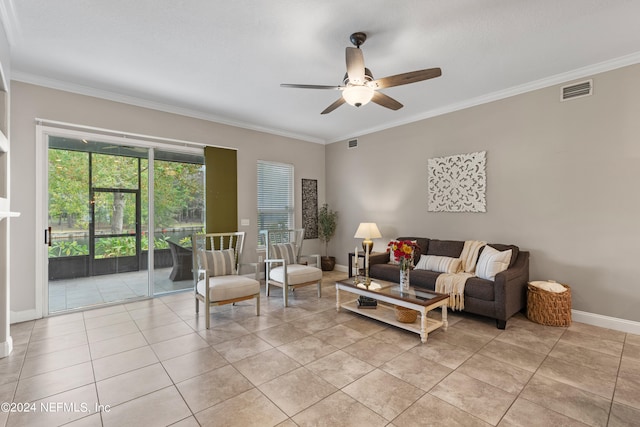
<point>360,255</point>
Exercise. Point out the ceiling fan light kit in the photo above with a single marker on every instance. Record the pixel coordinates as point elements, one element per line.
<point>360,87</point>
<point>357,95</point>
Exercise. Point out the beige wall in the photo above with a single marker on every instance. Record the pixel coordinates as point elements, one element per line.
<point>562,182</point>
<point>30,102</point>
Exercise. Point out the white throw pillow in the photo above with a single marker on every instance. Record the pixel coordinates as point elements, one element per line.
<point>492,262</point>
<point>439,264</point>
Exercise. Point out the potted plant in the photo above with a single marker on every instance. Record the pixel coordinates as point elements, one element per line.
<point>327,223</point>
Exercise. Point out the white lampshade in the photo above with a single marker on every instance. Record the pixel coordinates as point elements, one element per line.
<point>357,95</point>
<point>367,231</point>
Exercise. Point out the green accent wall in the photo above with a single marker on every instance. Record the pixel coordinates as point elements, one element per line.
<point>221,192</point>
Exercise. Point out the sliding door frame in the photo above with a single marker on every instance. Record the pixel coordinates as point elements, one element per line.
<point>44,129</point>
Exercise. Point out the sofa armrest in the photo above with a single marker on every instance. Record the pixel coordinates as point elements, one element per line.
<point>511,288</point>
<point>381,258</point>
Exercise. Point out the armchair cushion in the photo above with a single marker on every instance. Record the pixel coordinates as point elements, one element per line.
<point>285,251</point>
<point>296,273</point>
<point>222,288</point>
<point>219,262</point>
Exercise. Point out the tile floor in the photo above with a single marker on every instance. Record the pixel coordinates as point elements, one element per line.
<point>152,363</point>
<point>69,294</point>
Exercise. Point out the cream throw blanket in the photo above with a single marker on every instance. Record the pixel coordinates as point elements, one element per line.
<point>453,283</point>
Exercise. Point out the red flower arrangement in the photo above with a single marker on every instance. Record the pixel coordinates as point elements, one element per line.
<point>402,249</point>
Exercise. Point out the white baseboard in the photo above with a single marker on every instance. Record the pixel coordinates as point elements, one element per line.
<point>6,347</point>
<point>623,325</point>
<point>24,315</point>
<point>342,268</point>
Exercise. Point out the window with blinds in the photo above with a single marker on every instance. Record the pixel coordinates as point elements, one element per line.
<point>275,197</point>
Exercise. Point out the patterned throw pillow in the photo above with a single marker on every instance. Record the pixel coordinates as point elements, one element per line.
<point>219,262</point>
<point>439,264</point>
<point>286,251</point>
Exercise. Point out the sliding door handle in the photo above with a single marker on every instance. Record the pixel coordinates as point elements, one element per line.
<point>47,236</point>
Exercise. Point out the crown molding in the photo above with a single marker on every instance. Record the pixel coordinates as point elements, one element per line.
<point>579,73</point>
<point>483,99</point>
<point>29,78</point>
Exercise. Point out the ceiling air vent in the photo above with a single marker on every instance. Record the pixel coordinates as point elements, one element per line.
<point>576,90</point>
<point>353,143</point>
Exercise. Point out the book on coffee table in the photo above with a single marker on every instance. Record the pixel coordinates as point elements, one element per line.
<point>366,302</point>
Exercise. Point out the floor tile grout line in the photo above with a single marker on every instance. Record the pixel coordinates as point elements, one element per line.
<point>613,396</point>
<point>518,396</point>
<point>15,388</point>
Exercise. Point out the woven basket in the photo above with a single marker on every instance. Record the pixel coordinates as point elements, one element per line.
<point>405,315</point>
<point>549,308</point>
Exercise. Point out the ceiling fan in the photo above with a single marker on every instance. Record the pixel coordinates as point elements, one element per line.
<point>359,87</point>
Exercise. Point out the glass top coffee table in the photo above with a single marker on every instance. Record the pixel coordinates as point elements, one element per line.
<point>419,299</point>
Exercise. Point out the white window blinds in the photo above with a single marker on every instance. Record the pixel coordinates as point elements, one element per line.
<point>275,196</point>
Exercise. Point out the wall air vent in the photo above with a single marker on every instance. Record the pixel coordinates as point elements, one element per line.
<point>576,90</point>
<point>353,143</point>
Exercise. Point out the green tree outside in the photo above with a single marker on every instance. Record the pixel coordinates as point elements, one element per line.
<point>178,195</point>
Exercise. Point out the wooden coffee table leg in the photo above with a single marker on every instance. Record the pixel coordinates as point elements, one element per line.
<point>337,299</point>
<point>423,326</point>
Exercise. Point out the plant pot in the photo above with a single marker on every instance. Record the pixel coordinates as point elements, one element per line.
<point>328,263</point>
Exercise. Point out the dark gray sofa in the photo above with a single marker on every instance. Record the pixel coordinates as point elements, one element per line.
<point>499,299</point>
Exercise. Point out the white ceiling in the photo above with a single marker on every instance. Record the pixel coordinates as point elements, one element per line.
<point>224,60</point>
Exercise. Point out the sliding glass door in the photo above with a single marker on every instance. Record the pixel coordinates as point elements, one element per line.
<point>178,213</point>
<point>101,246</point>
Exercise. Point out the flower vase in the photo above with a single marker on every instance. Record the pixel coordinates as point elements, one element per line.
<point>404,274</point>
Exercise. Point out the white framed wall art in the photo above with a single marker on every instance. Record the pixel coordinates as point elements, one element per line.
<point>457,183</point>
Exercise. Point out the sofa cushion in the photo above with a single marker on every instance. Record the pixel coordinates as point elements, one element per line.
<point>424,279</point>
<point>441,264</point>
<point>450,248</point>
<point>388,272</point>
<point>483,289</point>
<point>491,262</point>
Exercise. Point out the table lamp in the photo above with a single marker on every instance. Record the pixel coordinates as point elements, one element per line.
<point>367,231</point>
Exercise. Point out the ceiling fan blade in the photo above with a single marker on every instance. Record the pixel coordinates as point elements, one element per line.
<point>355,66</point>
<point>333,106</point>
<point>406,78</point>
<point>386,101</point>
<point>310,86</point>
